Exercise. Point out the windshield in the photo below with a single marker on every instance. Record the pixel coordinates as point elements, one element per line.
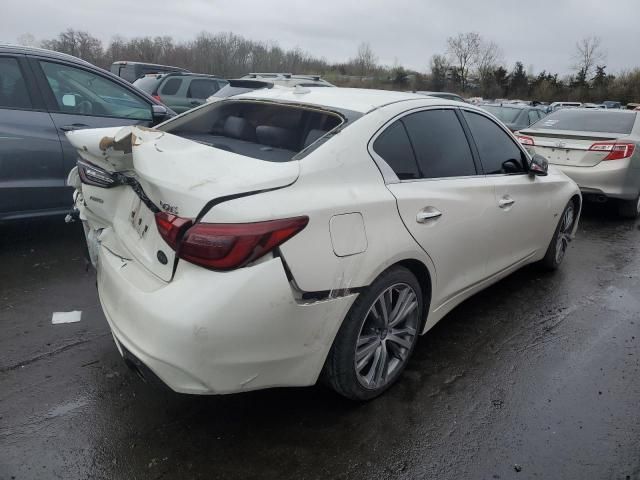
<point>505,114</point>
<point>267,131</point>
<point>588,120</point>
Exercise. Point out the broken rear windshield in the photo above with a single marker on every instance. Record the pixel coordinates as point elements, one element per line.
<point>267,131</point>
<point>592,120</point>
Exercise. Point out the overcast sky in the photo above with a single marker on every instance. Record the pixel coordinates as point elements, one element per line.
<point>540,33</point>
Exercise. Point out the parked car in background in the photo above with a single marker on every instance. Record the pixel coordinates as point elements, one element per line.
<point>264,248</point>
<point>289,79</point>
<point>558,105</point>
<point>238,86</point>
<point>594,105</point>
<point>259,81</point>
<point>612,104</point>
<point>599,149</point>
<point>445,95</point>
<point>180,91</point>
<point>43,95</point>
<point>515,116</point>
<point>131,71</point>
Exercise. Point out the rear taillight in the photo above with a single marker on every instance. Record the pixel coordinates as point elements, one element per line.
<point>225,246</point>
<point>157,97</point>
<point>617,151</point>
<point>171,227</point>
<point>524,140</point>
<point>95,176</point>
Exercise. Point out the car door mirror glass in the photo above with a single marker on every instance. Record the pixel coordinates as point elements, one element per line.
<point>538,165</point>
<point>69,100</point>
<point>160,113</point>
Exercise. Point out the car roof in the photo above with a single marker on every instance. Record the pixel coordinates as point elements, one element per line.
<point>354,99</point>
<point>42,52</point>
<point>161,75</point>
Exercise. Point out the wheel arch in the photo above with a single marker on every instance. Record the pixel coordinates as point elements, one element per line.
<point>422,274</point>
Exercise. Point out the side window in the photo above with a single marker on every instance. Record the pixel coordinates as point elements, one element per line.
<point>394,147</point>
<point>13,89</point>
<point>533,116</point>
<point>82,92</point>
<point>171,86</point>
<point>498,152</point>
<point>201,88</point>
<point>440,144</point>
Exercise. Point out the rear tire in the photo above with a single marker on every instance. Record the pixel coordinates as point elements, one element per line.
<point>629,208</point>
<point>561,238</point>
<point>377,337</point>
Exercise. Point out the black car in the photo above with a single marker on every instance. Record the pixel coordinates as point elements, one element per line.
<point>43,95</point>
<point>180,91</point>
<point>515,116</point>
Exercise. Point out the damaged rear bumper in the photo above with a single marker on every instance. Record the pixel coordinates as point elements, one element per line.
<point>209,332</point>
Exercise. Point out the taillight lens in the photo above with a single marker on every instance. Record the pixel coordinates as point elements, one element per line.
<point>524,140</point>
<point>157,97</point>
<point>171,227</point>
<point>617,150</point>
<point>95,176</point>
<point>225,246</point>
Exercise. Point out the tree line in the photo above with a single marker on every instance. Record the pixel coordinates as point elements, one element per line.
<point>471,65</point>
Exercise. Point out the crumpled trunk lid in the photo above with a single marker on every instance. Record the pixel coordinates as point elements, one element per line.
<point>176,175</point>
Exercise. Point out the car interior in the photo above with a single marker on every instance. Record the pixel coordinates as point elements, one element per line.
<point>274,133</point>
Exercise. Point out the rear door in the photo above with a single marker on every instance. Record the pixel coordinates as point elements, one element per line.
<point>443,200</point>
<point>172,92</point>
<point>519,208</point>
<point>80,98</point>
<point>31,168</point>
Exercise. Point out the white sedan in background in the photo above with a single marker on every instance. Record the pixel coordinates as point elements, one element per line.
<point>283,236</point>
<point>599,149</point>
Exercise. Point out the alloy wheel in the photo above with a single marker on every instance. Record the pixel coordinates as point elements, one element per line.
<point>386,336</point>
<point>564,233</point>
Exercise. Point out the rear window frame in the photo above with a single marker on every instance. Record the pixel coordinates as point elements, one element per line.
<point>346,117</point>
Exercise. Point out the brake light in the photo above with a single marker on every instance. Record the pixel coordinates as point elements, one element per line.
<point>157,97</point>
<point>617,151</point>
<point>524,140</point>
<point>171,227</point>
<point>95,176</point>
<point>225,246</point>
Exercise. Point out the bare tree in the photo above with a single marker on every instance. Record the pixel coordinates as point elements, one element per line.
<point>28,40</point>
<point>77,43</point>
<point>489,58</point>
<point>365,61</point>
<point>464,50</point>
<point>588,54</point>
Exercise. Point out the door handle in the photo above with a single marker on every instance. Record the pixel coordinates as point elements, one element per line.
<point>506,201</point>
<point>73,126</point>
<point>427,214</point>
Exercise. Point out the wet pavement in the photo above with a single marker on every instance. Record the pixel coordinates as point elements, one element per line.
<point>536,377</point>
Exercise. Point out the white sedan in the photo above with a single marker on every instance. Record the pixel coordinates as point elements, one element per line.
<point>286,236</point>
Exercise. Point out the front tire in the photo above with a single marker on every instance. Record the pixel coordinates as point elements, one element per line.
<point>561,238</point>
<point>377,337</point>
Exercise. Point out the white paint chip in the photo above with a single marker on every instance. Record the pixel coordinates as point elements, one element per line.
<point>66,317</point>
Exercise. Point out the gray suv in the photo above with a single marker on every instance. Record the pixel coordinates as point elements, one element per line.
<point>43,95</point>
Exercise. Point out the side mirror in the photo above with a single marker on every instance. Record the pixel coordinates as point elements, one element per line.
<point>160,113</point>
<point>538,166</point>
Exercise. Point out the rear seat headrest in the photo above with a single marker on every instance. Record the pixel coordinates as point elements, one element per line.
<point>312,136</point>
<point>277,137</point>
<point>238,127</point>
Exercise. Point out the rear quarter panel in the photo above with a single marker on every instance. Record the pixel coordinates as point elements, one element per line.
<point>337,178</point>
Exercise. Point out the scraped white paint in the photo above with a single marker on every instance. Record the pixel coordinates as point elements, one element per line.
<point>66,317</point>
